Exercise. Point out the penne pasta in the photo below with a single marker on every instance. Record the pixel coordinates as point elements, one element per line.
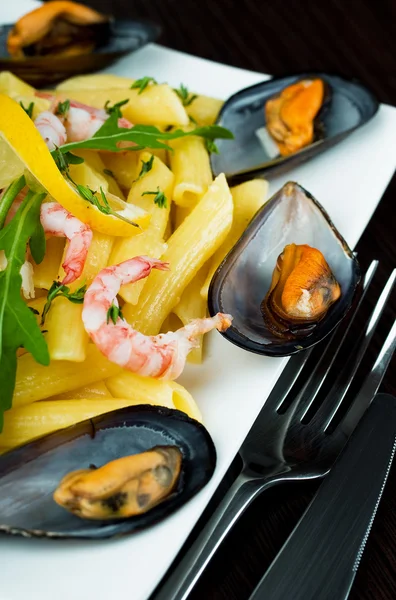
<point>192,244</point>
<point>145,390</point>
<point>36,382</point>
<point>205,110</point>
<point>247,197</point>
<point>26,423</point>
<point>96,390</point>
<point>191,167</point>
<point>193,306</point>
<point>47,271</point>
<point>149,242</point>
<point>156,105</point>
<point>99,81</point>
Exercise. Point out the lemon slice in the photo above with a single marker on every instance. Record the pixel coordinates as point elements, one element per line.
<point>19,131</point>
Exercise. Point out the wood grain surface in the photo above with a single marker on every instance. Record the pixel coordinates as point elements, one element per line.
<point>355,38</point>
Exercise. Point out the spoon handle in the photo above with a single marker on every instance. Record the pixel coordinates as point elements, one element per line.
<point>320,559</point>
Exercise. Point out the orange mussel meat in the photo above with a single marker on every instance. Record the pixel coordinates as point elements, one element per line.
<point>290,116</point>
<point>302,290</point>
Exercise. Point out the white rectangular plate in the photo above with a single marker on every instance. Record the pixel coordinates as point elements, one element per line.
<point>230,387</point>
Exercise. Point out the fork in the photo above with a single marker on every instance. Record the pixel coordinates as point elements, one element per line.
<point>297,435</point>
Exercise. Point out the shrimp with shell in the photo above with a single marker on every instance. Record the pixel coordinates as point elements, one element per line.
<point>79,122</point>
<point>161,356</point>
<point>58,222</point>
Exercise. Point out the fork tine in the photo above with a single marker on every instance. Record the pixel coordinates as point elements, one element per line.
<point>336,395</point>
<point>305,398</point>
<point>371,384</point>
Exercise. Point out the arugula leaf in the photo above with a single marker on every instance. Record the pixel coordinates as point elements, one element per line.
<point>18,325</point>
<point>110,135</point>
<point>160,198</point>
<point>28,110</point>
<point>9,196</point>
<point>116,109</point>
<point>147,165</point>
<point>211,147</point>
<point>63,108</point>
<point>184,95</point>
<point>37,244</point>
<point>114,313</point>
<point>142,83</point>
<point>57,289</point>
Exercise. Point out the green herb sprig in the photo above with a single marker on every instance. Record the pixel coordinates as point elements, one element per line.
<point>147,165</point>
<point>28,110</point>
<point>63,108</point>
<point>160,199</point>
<point>116,108</point>
<point>114,313</point>
<point>58,289</point>
<point>142,83</point>
<point>185,95</point>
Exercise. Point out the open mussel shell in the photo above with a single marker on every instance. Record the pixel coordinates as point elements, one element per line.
<point>30,474</point>
<point>123,36</point>
<point>243,279</point>
<point>347,105</point>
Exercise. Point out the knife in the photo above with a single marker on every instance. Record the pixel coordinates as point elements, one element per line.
<point>320,558</point>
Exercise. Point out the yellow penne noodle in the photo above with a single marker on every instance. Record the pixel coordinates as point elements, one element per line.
<point>191,167</point>
<point>97,390</point>
<point>193,306</point>
<point>146,390</point>
<point>36,382</point>
<point>192,244</point>
<point>98,257</point>
<point>159,177</point>
<point>11,85</point>
<point>100,81</point>
<point>47,271</point>
<point>205,110</point>
<point>123,165</point>
<point>247,197</point>
<point>34,420</point>
<point>66,337</point>
<point>156,105</point>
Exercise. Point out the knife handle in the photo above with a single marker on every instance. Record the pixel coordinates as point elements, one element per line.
<point>320,559</point>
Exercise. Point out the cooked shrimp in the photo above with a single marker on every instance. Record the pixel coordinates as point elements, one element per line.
<point>51,130</point>
<point>58,222</point>
<point>162,356</point>
<point>81,121</point>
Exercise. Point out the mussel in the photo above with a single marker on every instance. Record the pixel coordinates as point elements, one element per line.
<point>51,49</point>
<point>291,216</point>
<point>290,116</point>
<point>60,28</point>
<point>158,452</point>
<point>124,487</point>
<point>282,122</point>
<point>302,290</point>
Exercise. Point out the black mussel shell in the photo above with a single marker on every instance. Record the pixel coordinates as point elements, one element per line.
<point>122,37</point>
<point>347,106</point>
<point>243,279</point>
<point>30,474</point>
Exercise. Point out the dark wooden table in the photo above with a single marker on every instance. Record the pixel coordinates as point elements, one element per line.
<point>355,38</point>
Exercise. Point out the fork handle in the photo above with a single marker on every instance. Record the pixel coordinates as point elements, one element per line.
<point>320,559</point>
<point>183,576</point>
